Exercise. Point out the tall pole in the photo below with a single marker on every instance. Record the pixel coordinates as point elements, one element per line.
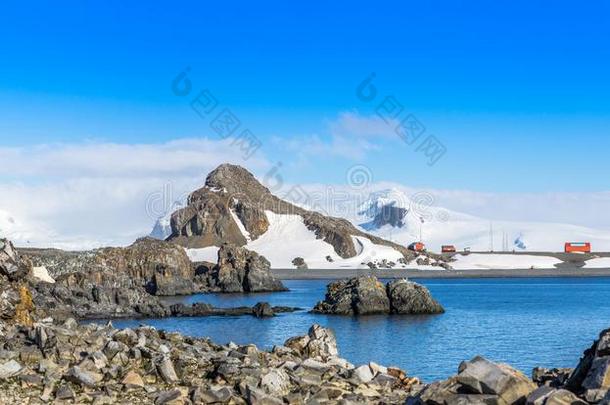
<point>491,236</point>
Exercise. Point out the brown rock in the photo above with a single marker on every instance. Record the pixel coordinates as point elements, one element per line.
<point>132,380</point>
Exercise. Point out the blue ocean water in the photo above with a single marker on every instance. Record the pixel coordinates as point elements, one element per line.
<point>524,322</point>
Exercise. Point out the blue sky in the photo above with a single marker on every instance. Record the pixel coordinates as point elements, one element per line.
<point>516,91</point>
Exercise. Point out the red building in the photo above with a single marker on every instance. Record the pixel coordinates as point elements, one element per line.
<point>417,247</point>
<point>448,249</point>
<point>578,247</point>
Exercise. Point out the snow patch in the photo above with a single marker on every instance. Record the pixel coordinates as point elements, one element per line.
<point>240,225</point>
<point>288,238</point>
<point>598,263</point>
<point>207,254</point>
<point>477,261</point>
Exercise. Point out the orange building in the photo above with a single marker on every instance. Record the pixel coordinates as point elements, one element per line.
<point>417,247</point>
<point>578,247</point>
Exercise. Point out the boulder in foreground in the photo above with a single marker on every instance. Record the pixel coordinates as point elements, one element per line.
<point>366,295</point>
<point>479,381</point>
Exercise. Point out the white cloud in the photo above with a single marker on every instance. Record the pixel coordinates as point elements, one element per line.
<point>85,195</point>
<point>184,156</point>
<point>350,136</point>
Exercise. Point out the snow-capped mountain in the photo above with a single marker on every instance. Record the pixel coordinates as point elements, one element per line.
<point>163,229</point>
<point>234,207</point>
<point>394,215</point>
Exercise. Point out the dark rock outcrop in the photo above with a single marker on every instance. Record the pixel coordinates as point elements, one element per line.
<point>388,215</point>
<point>366,295</point>
<point>11,264</point>
<point>127,282</point>
<point>299,263</point>
<point>591,377</point>
<point>162,268</point>
<point>240,270</point>
<point>411,298</point>
<point>260,310</point>
<point>356,296</point>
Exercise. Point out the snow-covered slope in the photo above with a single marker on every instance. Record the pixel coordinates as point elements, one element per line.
<point>445,227</point>
<point>288,238</point>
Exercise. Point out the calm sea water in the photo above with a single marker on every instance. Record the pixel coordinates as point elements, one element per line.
<point>524,322</point>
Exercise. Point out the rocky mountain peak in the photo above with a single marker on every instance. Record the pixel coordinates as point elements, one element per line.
<point>235,179</point>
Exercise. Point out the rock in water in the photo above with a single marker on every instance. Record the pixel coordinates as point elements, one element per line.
<point>263,310</point>
<point>241,270</point>
<point>408,298</point>
<point>366,295</point>
<point>299,263</point>
<point>356,296</point>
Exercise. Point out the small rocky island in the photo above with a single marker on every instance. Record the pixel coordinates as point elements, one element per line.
<point>366,295</point>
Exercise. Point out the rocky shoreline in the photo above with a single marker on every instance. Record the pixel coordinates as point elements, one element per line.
<point>129,282</point>
<point>65,362</point>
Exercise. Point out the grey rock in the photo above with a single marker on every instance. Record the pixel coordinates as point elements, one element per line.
<point>598,376</point>
<point>363,374</point>
<point>241,270</point>
<point>485,377</point>
<point>276,382</point>
<point>83,377</point>
<point>319,342</point>
<point>539,395</point>
<point>263,310</point>
<point>408,298</point>
<point>64,392</point>
<point>9,369</point>
<point>165,366</point>
<point>357,296</point>
<point>11,264</point>
<point>563,397</point>
<point>299,263</point>
<point>167,396</point>
<point>366,295</point>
